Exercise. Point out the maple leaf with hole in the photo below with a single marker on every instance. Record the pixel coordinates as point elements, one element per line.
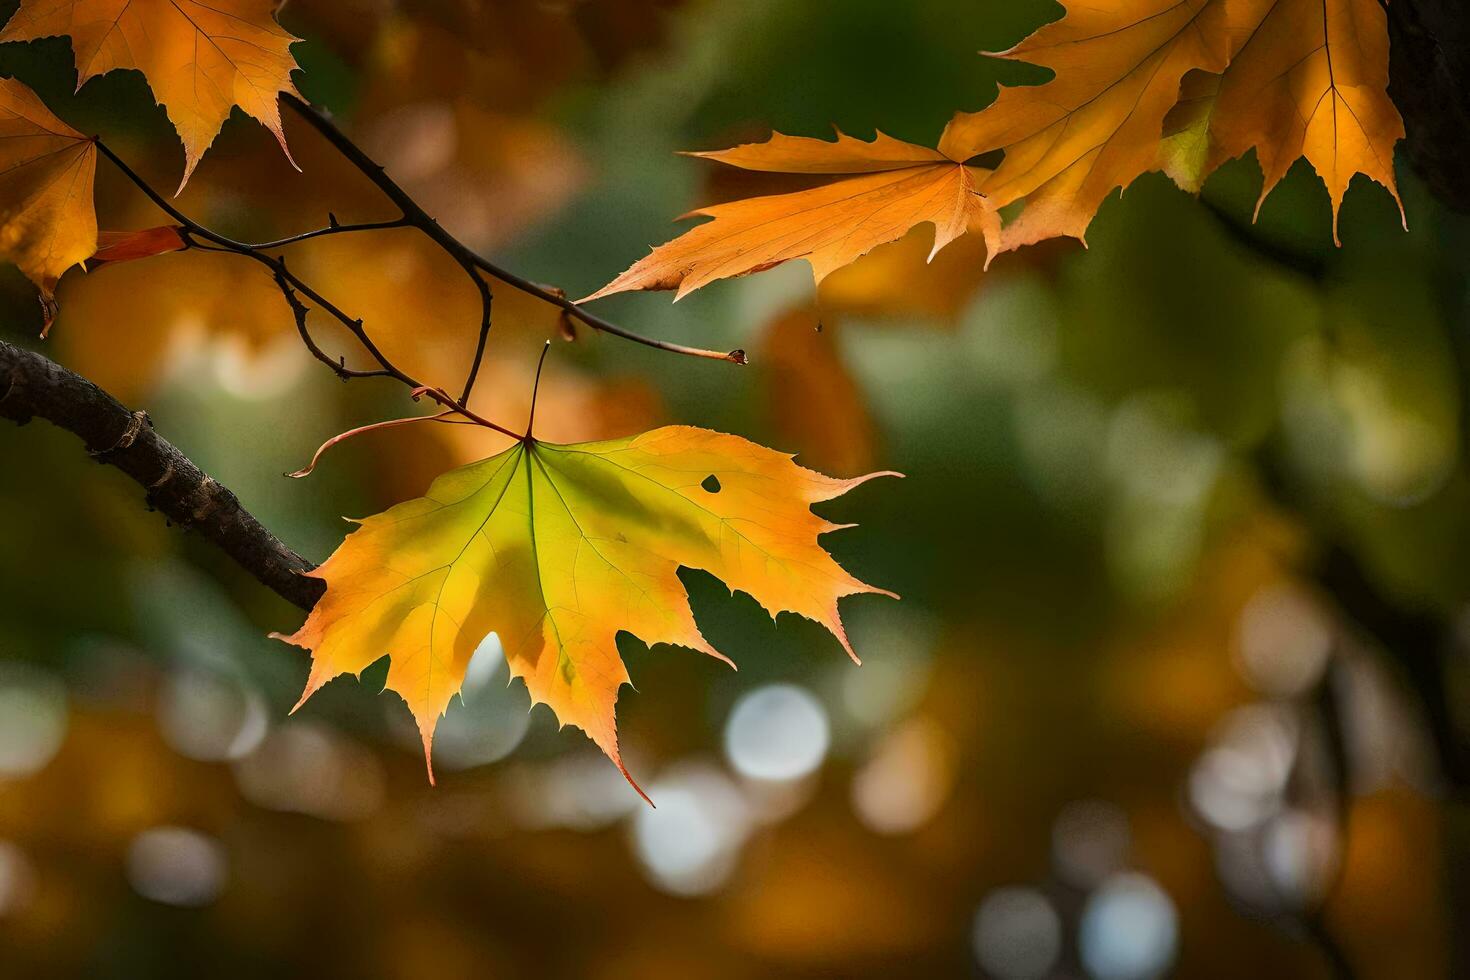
<point>886,187</point>
<point>201,59</point>
<point>48,222</point>
<point>556,549</point>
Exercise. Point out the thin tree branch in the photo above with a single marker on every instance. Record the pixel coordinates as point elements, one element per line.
<point>275,264</point>
<point>463,254</point>
<point>291,284</point>
<point>300,312</point>
<point>33,386</point>
<point>487,304</point>
<point>332,229</point>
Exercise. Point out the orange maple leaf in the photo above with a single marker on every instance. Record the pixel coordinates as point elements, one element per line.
<point>48,222</point>
<point>201,59</point>
<point>887,187</point>
<point>1295,78</point>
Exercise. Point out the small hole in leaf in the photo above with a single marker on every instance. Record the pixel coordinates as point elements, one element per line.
<point>711,483</point>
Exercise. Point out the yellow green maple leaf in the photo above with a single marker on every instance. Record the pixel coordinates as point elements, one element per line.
<point>557,549</point>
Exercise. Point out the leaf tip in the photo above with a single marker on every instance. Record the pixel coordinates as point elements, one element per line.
<point>429,755</point>
<point>617,761</point>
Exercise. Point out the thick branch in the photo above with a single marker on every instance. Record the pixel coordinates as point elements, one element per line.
<point>32,386</point>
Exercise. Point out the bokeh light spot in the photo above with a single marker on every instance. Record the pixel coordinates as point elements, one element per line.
<point>689,845</point>
<point>306,768</point>
<point>33,718</point>
<point>1129,930</point>
<point>1017,934</point>
<point>906,780</point>
<point>176,866</point>
<point>777,733</point>
<point>210,717</point>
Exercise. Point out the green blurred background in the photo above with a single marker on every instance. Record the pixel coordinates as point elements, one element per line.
<point>1126,722</point>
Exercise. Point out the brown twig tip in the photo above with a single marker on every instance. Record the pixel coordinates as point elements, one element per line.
<point>737,356</point>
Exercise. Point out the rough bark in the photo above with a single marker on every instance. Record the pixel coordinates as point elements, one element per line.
<point>33,386</point>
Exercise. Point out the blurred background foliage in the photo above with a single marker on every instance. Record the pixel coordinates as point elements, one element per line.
<point>1120,726</point>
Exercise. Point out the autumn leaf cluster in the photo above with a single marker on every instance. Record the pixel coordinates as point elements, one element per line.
<point>1179,86</point>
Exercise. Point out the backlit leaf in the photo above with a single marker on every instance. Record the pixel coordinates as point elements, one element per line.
<point>557,549</point>
<point>1096,125</point>
<point>201,59</point>
<point>1309,80</point>
<point>129,246</point>
<point>48,222</point>
<point>887,188</point>
<point>1297,78</point>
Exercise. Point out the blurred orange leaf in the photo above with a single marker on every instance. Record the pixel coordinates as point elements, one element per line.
<point>127,324</point>
<point>557,549</point>
<point>815,403</point>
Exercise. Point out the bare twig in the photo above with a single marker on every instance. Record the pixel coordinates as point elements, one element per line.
<point>463,254</point>
<point>277,265</point>
<point>362,430</point>
<point>332,229</point>
<point>487,302</point>
<point>448,401</point>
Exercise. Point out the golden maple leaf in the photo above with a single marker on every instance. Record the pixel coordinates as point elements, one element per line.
<point>1132,93</point>
<point>1309,80</point>
<point>1097,124</point>
<point>201,59</point>
<point>48,222</point>
<point>557,549</point>
<point>887,187</point>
